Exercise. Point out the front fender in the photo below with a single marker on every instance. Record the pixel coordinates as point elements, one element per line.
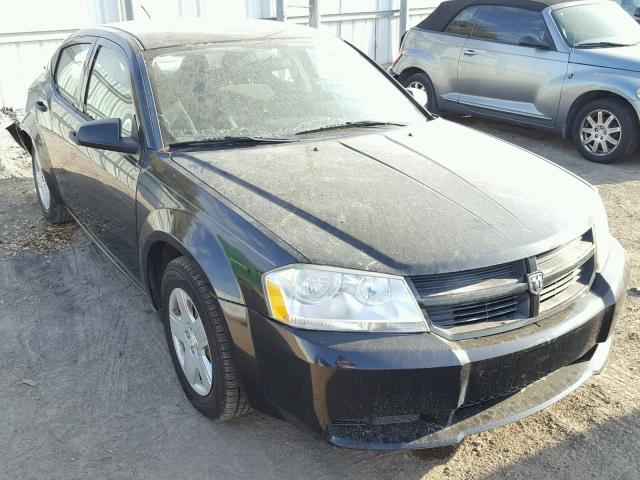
<point>183,231</point>
<point>587,79</point>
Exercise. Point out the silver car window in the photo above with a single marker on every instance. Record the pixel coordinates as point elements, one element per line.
<point>504,24</point>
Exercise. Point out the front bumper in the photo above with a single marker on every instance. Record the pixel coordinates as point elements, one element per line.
<point>392,391</point>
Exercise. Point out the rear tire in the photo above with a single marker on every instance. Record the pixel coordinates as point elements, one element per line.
<point>54,212</point>
<point>606,130</point>
<point>421,81</point>
<point>219,397</point>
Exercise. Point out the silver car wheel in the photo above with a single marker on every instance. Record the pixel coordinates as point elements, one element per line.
<point>600,132</point>
<point>41,184</point>
<point>419,86</point>
<point>190,341</point>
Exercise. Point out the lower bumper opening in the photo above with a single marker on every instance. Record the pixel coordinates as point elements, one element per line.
<point>418,431</point>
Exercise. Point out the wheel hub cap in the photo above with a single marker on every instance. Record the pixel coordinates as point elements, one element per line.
<point>600,132</point>
<point>190,342</point>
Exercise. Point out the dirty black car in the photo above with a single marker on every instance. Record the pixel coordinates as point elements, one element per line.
<point>322,249</point>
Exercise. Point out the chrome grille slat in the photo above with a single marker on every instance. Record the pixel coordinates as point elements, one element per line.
<point>568,271</point>
<point>559,285</point>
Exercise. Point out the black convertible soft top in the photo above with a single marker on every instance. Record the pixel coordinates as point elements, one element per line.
<point>446,11</point>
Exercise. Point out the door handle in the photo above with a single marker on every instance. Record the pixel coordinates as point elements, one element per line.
<point>469,53</point>
<point>41,106</point>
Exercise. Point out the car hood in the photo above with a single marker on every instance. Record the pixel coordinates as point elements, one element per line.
<point>432,198</point>
<point>623,58</point>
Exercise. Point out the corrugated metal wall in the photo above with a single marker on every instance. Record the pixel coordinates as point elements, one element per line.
<point>27,41</point>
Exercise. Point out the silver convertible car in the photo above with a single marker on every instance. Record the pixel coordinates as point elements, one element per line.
<point>568,66</point>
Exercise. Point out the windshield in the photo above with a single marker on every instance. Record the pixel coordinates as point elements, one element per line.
<point>597,25</point>
<point>269,89</point>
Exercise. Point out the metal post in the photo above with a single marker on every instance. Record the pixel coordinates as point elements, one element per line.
<point>314,13</point>
<point>126,10</point>
<point>281,11</point>
<point>404,16</point>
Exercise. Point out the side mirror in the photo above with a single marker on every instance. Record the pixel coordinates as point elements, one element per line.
<point>105,135</point>
<point>420,95</point>
<point>534,42</point>
<point>637,12</point>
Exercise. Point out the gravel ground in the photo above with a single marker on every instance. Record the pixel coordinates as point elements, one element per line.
<point>88,391</point>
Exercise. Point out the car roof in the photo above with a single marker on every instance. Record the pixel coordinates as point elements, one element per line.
<point>152,34</point>
<point>447,10</point>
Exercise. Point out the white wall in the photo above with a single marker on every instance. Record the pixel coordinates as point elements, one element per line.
<point>28,40</point>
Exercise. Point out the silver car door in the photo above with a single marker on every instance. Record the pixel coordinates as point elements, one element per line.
<point>502,73</point>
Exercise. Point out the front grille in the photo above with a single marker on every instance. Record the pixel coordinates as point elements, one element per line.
<point>446,282</point>
<point>467,313</point>
<point>481,300</point>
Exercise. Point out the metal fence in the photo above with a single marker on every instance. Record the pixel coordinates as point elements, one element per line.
<point>27,41</point>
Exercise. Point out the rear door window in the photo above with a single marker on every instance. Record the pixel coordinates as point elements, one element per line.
<point>109,93</point>
<point>68,73</point>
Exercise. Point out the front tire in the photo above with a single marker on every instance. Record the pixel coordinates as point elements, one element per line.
<point>606,130</point>
<point>52,210</point>
<point>200,347</point>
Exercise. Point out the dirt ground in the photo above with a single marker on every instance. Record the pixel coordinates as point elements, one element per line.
<point>87,389</point>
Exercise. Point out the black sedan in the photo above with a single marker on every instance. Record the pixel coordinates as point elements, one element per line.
<point>320,247</point>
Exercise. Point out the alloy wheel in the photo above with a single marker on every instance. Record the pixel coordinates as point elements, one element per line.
<point>419,86</point>
<point>600,132</point>
<point>41,184</point>
<point>190,341</point>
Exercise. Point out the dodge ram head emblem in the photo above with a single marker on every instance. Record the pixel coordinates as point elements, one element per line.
<point>536,282</point>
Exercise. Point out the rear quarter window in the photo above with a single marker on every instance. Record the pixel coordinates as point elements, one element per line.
<point>462,24</point>
<point>508,24</point>
<point>498,23</point>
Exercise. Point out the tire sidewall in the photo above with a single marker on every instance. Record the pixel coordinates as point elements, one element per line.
<point>45,212</point>
<point>424,80</point>
<point>211,404</point>
<point>627,124</point>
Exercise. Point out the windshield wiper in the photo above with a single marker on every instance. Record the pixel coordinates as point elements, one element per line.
<point>231,141</point>
<point>362,124</point>
<point>602,44</point>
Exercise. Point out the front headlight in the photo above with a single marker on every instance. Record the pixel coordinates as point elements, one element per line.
<point>601,234</point>
<point>328,298</point>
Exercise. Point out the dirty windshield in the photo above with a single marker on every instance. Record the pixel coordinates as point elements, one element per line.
<point>269,89</point>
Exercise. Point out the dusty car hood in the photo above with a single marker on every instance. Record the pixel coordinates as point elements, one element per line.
<point>624,58</point>
<point>433,198</point>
